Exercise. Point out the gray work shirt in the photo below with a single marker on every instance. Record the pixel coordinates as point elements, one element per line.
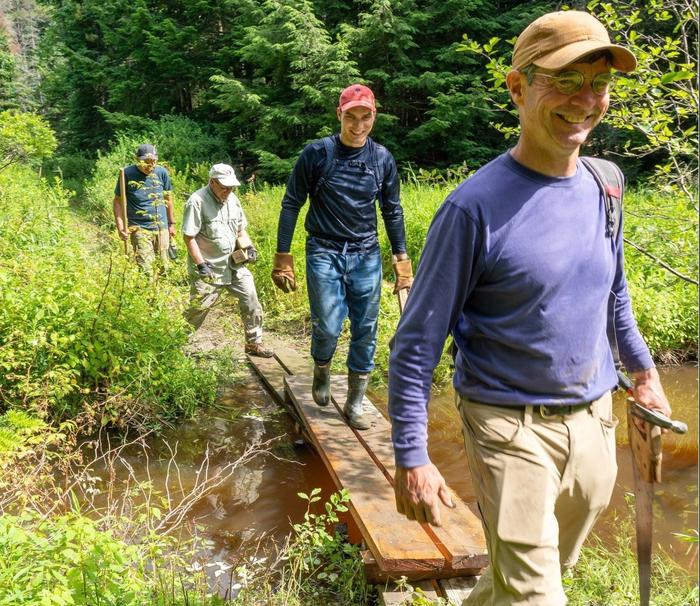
<point>215,226</point>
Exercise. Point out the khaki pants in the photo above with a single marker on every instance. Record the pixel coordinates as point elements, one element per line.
<point>541,483</point>
<point>204,295</point>
<point>147,244</point>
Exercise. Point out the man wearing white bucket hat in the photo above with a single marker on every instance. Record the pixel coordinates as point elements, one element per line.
<point>214,229</point>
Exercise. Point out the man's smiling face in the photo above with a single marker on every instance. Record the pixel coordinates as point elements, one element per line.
<point>556,124</point>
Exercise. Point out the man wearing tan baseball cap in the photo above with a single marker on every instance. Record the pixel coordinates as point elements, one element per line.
<point>519,266</point>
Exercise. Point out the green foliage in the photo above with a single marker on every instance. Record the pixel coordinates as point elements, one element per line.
<point>297,74</point>
<point>19,430</point>
<point>67,560</point>
<point>665,305</point>
<point>659,100</point>
<point>24,137</point>
<point>268,74</point>
<point>608,576</point>
<point>323,564</point>
<point>8,75</point>
<point>77,320</point>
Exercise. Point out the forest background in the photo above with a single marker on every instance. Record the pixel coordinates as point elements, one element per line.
<point>85,343</point>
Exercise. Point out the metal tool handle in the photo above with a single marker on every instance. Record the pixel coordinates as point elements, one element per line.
<point>651,416</point>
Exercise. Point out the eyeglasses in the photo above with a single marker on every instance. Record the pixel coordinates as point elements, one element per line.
<point>569,83</point>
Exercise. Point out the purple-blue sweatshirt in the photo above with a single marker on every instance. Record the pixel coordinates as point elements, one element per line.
<point>517,267</point>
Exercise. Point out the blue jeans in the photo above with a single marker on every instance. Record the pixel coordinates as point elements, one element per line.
<point>340,286</point>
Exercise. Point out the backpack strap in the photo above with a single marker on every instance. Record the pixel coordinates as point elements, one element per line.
<point>611,182</point>
<point>377,170</point>
<point>329,165</point>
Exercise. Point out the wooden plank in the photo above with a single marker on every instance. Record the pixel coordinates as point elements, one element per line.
<point>400,546</point>
<point>374,574</point>
<point>271,374</point>
<point>460,538</point>
<point>397,597</point>
<point>295,362</point>
<point>457,589</point>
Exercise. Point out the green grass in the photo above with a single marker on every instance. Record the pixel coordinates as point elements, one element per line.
<point>665,305</point>
<point>608,577</point>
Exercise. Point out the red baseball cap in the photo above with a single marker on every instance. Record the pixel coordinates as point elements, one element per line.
<point>356,95</point>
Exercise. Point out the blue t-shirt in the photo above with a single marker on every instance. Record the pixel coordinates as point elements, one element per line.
<point>517,267</point>
<point>145,203</point>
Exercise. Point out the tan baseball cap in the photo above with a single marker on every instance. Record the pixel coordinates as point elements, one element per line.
<point>558,39</point>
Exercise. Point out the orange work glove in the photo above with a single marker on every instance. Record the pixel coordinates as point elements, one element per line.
<point>283,272</point>
<point>403,271</point>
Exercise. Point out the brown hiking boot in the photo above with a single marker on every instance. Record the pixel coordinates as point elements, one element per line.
<point>258,349</point>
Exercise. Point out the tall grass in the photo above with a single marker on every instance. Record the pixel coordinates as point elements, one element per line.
<point>78,322</point>
<point>607,576</point>
<point>664,304</point>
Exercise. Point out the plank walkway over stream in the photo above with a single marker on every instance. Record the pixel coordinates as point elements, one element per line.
<point>441,561</point>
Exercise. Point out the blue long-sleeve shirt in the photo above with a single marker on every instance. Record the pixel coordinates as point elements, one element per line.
<point>517,267</point>
<point>343,210</point>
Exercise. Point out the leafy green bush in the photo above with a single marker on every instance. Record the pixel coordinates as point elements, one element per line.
<point>77,319</point>
<point>67,560</point>
<point>24,137</point>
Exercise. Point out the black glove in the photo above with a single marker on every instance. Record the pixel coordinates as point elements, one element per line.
<point>252,253</point>
<point>205,270</point>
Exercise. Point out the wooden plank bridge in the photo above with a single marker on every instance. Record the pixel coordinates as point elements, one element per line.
<point>442,561</point>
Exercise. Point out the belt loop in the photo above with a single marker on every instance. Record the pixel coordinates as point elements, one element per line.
<point>527,416</point>
<point>345,248</point>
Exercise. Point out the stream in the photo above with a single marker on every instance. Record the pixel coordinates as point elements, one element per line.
<point>262,495</point>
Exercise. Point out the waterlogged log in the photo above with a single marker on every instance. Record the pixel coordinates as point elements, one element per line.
<point>400,546</point>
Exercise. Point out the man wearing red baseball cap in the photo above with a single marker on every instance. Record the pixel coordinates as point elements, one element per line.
<point>344,176</point>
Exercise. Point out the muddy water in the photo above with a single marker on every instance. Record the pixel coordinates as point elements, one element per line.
<point>676,498</point>
<point>262,497</point>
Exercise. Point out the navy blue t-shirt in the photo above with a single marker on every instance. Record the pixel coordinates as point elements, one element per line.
<point>145,203</point>
<point>343,215</point>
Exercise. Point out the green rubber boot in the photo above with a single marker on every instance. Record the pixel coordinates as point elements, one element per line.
<point>321,387</point>
<point>357,385</point>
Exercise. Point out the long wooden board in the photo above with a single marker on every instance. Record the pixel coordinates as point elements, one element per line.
<point>367,462</point>
<point>400,546</point>
<point>460,538</point>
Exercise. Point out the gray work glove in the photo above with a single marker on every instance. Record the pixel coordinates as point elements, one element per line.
<point>205,270</point>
